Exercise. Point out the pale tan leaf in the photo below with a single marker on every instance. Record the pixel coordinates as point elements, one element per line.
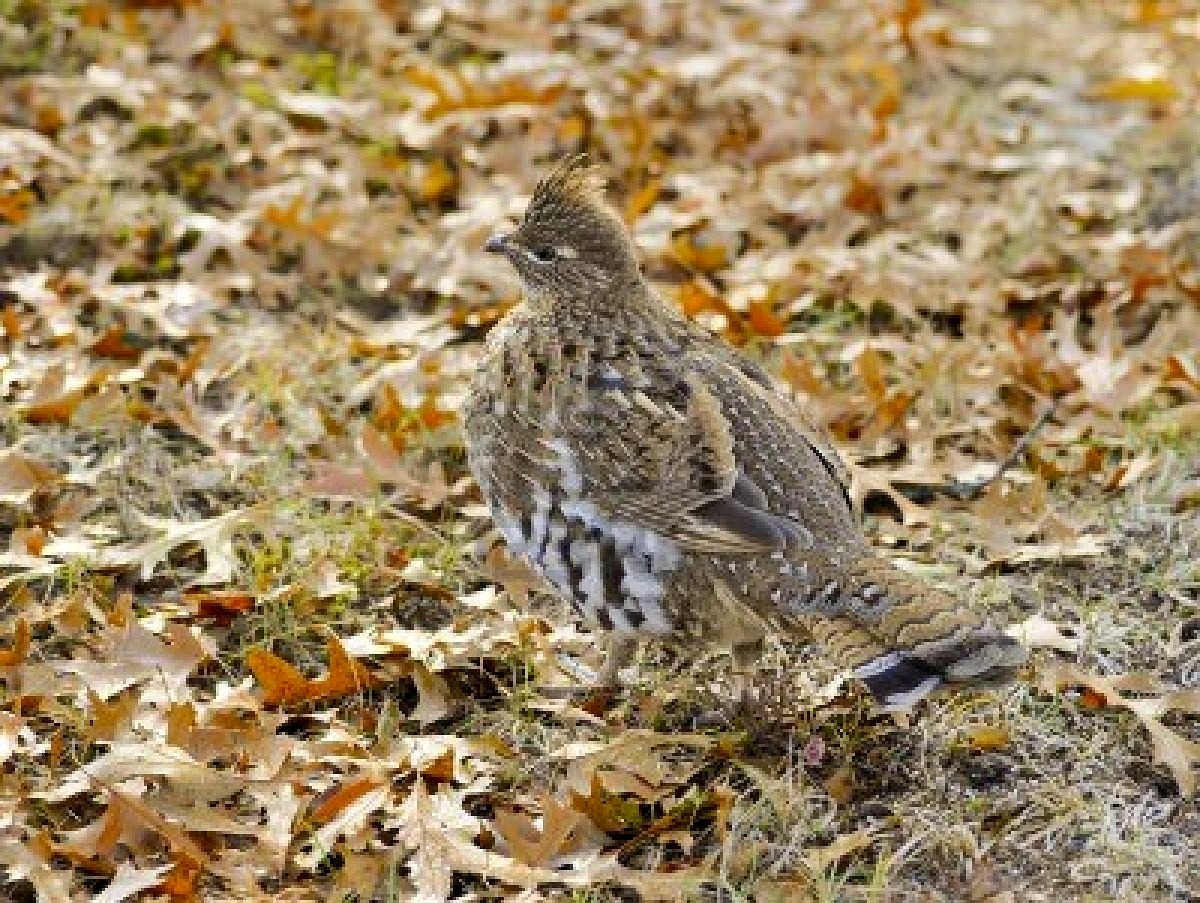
<point>1038,632</point>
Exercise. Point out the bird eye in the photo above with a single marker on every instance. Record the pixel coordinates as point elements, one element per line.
<point>544,255</point>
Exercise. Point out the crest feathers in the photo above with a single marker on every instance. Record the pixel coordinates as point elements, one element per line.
<point>575,182</point>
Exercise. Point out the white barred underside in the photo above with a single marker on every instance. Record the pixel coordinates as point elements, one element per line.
<point>616,573</point>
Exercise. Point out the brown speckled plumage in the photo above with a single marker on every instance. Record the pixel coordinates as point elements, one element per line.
<point>661,484</point>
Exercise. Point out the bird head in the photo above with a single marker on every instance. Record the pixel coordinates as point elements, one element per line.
<point>570,241</point>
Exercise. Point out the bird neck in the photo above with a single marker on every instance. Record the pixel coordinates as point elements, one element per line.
<point>626,295</point>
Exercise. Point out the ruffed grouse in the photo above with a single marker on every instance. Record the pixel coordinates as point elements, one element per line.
<point>660,483</point>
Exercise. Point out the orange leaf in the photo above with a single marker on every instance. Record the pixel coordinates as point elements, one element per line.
<point>1152,90</point>
<point>346,676</point>
<point>699,255</point>
<point>799,375</point>
<point>222,607</point>
<point>183,881</point>
<point>181,720</point>
<point>282,684</point>
<point>763,320</point>
<point>642,200</point>
<point>56,410</point>
<point>342,797</point>
<point>11,322</point>
<point>14,206</point>
<point>111,718</point>
<point>864,197</point>
<point>438,184</point>
<point>890,411</point>
<point>113,345</point>
<point>93,14</point>
<point>1092,699</point>
<point>20,649</point>
<point>432,416</point>
<point>1180,368</point>
<point>870,370</point>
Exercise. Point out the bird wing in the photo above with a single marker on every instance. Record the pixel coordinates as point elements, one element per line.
<point>637,441</point>
<point>813,435</point>
<point>646,442</point>
<point>662,456</point>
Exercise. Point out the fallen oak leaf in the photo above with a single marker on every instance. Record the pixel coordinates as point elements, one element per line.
<point>346,675</point>
<point>818,859</point>
<point>223,607</point>
<point>511,573</point>
<point>351,818</point>
<point>21,476</point>
<point>111,720</point>
<point>284,685</point>
<point>440,837</point>
<point>434,702</point>
<point>214,535</point>
<point>333,803</point>
<point>23,862</point>
<point>538,846</point>
<point>184,775</point>
<point>1178,753</point>
<point>130,881</point>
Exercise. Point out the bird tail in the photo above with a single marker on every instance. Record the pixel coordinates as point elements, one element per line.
<point>904,638</point>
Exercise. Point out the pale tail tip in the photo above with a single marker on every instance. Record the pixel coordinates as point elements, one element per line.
<point>899,681</point>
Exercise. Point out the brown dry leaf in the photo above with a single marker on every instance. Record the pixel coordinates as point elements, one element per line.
<point>333,804</point>
<point>840,784</point>
<point>282,684</point>
<point>818,859</point>
<point>175,660</point>
<point>636,760</point>
<point>20,647</point>
<point>1176,752</point>
<point>346,675</point>
<point>511,573</point>
<point>384,464</point>
<point>350,819</point>
<point>56,396</point>
<point>223,607</point>
<point>339,481</point>
<point>434,696</point>
<point>214,536</point>
<point>111,719</point>
<point>360,875</point>
<point>131,822</point>
<point>185,776</point>
<point>441,836</point>
<point>21,476</point>
<point>865,480</point>
<point>130,881</point>
<point>22,863</point>
<point>536,846</point>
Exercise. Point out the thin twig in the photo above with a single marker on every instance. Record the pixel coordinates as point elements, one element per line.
<point>969,491</point>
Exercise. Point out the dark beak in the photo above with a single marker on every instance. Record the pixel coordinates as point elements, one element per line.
<point>497,244</point>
